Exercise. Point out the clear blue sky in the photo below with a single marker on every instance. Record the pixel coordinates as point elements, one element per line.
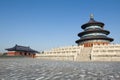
<point>45,24</point>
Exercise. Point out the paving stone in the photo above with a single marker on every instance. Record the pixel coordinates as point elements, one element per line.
<point>36,69</point>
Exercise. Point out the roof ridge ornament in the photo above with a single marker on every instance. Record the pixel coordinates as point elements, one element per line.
<point>91,16</point>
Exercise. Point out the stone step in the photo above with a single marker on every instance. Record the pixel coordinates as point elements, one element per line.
<point>84,54</point>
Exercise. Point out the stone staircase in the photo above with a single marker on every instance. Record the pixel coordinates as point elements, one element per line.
<point>84,55</point>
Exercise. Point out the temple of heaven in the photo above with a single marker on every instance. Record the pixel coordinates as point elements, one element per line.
<point>93,33</point>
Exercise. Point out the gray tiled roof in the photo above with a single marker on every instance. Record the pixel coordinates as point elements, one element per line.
<point>21,48</point>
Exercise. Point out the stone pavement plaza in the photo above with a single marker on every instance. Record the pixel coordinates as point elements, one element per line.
<point>36,69</point>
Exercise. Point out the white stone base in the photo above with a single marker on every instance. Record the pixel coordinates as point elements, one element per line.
<point>109,52</point>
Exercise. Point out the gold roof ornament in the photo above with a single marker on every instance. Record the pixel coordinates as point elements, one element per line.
<point>91,16</point>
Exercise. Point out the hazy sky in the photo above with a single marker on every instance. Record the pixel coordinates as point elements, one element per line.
<point>45,24</point>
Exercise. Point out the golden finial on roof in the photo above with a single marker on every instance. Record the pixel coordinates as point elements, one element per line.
<point>91,16</point>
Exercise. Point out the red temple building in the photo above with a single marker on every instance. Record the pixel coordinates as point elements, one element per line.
<point>93,33</point>
<point>18,50</point>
